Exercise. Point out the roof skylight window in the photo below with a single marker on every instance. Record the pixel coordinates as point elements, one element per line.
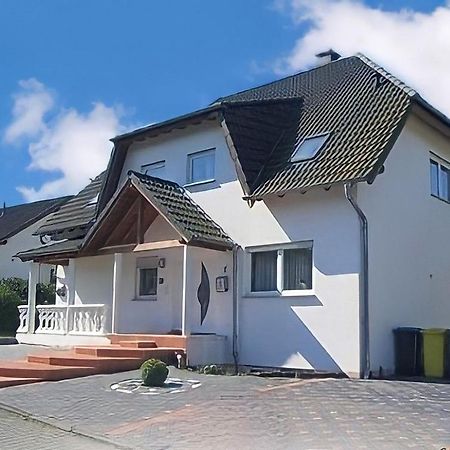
<point>309,147</point>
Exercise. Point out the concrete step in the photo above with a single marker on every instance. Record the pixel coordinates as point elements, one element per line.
<point>25,369</point>
<point>161,340</point>
<point>138,344</point>
<point>166,354</point>
<point>14,381</point>
<point>102,364</point>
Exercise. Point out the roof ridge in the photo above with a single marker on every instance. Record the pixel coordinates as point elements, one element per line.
<point>311,69</point>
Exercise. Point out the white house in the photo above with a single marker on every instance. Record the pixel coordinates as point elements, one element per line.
<point>293,225</point>
<point>17,226</point>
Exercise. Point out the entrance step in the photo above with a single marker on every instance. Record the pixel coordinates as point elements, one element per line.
<point>138,344</point>
<point>161,340</point>
<point>166,354</point>
<point>14,381</point>
<point>25,369</point>
<point>103,365</point>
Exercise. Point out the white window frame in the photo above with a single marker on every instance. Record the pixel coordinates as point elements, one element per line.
<point>442,165</point>
<point>193,156</point>
<point>280,291</point>
<point>155,165</point>
<point>146,263</point>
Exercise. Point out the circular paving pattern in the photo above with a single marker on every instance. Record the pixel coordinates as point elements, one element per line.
<point>171,386</point>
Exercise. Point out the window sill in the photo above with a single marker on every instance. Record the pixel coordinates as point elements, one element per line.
<point>152,298</point>
<point>199,183</point>
<point>284,294</point>
<point>440,198</point>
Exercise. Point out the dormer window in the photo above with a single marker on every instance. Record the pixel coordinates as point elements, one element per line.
<point>309,148</point>
<point>155,169</point>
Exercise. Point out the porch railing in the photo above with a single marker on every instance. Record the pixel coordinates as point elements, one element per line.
<point>23,318</point>
<point>87,319</point>
<point>52,319</point>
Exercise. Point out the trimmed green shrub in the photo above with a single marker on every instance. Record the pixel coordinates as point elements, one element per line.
<point>154,372</point>
<point>18,285</point>
<point>9,314</point>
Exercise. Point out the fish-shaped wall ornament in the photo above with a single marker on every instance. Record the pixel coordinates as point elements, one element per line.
<point>203,294</point>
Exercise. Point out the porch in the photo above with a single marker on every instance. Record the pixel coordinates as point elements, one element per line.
<point>152,265</point>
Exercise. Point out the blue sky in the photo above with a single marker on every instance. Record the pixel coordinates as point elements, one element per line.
<point>144,61</point>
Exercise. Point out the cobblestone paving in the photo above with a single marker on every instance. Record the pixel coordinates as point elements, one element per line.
<point>18,433</point>
<point>247,413</point>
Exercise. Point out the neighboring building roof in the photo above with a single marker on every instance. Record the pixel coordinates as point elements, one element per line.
<point>362,107</point>
<point>77,213</point>
<point>119,219</point>
<point>60,249</point>
<point>14,219</point>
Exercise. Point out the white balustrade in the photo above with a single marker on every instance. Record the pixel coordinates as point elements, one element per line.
<point>87,319</point>
<point>23,319</point>
<point>52,319</point>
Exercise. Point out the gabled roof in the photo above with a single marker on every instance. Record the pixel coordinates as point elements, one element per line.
<point>175,204</point>
<point>165,198</point>
<point>79,212</point>
<point>14,219</point>
<point>362,107</point>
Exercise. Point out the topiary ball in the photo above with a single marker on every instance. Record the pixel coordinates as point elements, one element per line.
<point>154,373</point>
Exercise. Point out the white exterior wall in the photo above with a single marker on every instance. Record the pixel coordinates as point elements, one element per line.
<point>14,267</point>
<point>319,331</point>
<point>409,247</point>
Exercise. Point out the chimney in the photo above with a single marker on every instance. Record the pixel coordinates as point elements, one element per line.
<point>327,57</point>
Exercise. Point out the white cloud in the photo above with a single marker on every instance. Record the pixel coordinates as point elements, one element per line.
<point>412,45</point>
<point>30,106</point>
<point>72,145</point>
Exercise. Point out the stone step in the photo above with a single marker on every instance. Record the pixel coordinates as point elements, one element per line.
<point>14,381</point>
<point>137,344</point>
<point>161,340</point>
<point>166,354</point>
<point>25,369</point>
<point>104,365</point>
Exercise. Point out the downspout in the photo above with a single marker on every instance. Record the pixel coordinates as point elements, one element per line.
<point>364,284</point>
<point>235,310</point>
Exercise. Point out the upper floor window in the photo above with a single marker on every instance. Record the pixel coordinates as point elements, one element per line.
<point>440,180</point>
<point>201,166</point>
<point>282,268</point>
<point>155,169</point>
<point>309,147</point>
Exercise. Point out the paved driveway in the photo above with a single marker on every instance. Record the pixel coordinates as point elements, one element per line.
<point>244,412</point>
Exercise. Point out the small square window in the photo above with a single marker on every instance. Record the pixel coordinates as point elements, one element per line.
<point>156,169</point>
<point>148,282</point>
<point>308,148</point>
<point>201,166</point>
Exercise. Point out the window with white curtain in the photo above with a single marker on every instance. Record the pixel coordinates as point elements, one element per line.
<point>282,268</point>
<point>155,169</point>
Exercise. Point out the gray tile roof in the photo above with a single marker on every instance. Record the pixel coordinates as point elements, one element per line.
<point>175,204</point>
<point>359,104</point>
<point>14,219</point>
<point>58,248</point>
<point>77,213</point>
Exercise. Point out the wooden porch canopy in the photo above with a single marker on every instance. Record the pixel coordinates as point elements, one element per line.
<point>134,207</point>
